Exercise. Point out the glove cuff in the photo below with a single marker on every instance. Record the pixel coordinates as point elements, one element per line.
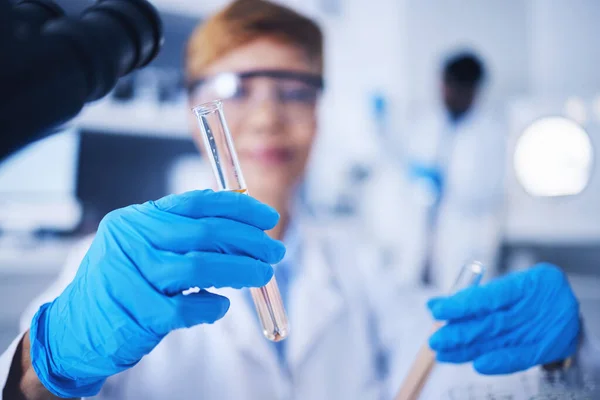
<point>45,364</point>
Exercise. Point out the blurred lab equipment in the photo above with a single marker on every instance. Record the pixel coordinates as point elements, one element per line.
<point>552,199</point>
<point>470,275</point>
<point>511,324</point>
<point>553,158</point>
<point>37,196</point>
<point>220,150</point>
<point>394,218</point>
<point>552,187</point>
<point>455,161</point>
<point>155,251</point>
<point>81,58</point>
<point>152,85</point>
<point>526,387</point>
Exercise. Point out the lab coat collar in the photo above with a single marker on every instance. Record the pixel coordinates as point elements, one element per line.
<point>314,301</point>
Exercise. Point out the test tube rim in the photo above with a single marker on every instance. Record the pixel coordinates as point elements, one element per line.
<point>208,107</point>
<point>476,267</point>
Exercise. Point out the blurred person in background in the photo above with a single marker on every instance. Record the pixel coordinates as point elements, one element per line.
<point>455,159</point>
<point>108,324</point>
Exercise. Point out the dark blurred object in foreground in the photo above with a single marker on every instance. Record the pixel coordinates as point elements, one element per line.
<point>53,64</point>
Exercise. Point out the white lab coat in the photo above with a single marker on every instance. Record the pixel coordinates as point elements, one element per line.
<point>345,318</point>
<point>472,156</point>
<point>339,333</point>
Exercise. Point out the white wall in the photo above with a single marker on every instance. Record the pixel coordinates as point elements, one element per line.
<point>364,50</point>
<point>565,47</point>
<point>364,55</point>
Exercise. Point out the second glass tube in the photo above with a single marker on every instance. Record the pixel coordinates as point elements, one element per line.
<point>223,158</point>
<point>470,275</point>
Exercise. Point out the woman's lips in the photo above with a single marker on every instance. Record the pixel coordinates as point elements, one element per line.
<point>271,156</point>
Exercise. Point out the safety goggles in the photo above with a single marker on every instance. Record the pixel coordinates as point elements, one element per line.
<point>293,94</point>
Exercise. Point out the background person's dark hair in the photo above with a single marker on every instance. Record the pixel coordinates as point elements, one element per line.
<point>465,69</point>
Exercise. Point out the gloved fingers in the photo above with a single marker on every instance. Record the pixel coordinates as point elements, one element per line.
<point>462,333</point>
<point>226,204</point>
<point>472,351</point>
<point>181,235</point>
<point>548,274</point>
<point>197,308</point>
<point>499,294</point>
<point>173,273</point>
<point>477,301</point>
<point>507,360</point>
<point>231,237</point>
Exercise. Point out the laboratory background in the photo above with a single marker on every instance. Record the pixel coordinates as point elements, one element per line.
<point>388,154</point>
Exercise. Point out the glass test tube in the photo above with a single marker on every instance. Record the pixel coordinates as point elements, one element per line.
<point>470,275</point>
<point>223,158</point>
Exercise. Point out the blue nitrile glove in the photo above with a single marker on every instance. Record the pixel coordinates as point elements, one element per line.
<point>524,319</point>
<point>431,176</point>
<point>126,295</point>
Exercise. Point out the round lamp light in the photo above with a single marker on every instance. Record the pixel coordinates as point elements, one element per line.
<point>553,157</point>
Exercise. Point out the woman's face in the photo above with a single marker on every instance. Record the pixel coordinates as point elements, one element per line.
<point>271,115</point>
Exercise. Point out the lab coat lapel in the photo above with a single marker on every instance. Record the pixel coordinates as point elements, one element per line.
<point>315,299</point>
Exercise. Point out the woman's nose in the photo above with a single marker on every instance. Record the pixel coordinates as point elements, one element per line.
<point>265,116</point>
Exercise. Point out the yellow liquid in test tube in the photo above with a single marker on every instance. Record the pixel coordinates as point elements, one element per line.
<point>269,306</point>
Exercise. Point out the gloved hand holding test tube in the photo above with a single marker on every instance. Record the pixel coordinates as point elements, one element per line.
<point>470,275</point>
<point>224,161</point>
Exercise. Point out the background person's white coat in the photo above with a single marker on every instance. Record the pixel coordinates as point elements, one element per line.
<point>472,158</point>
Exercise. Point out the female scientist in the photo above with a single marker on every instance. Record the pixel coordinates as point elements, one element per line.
<point>111,325</point>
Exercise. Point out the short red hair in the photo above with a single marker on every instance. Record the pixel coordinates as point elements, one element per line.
<point>244,21</point>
